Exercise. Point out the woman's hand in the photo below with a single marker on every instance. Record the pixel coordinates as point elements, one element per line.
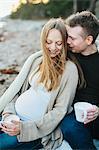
<point>92,114</point>
<point>5,115</point>
<point>12,128</point>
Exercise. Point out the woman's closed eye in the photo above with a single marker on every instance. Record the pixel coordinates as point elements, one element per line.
<point>48,42</point>
<point>59,43</point>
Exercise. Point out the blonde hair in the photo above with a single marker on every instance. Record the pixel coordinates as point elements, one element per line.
<point>51,70</point>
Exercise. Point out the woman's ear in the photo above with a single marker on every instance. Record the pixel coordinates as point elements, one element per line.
<point>89,40</point>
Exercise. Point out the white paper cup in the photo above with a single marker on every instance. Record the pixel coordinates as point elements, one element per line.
<point>10,118</point>
<point>81,109</point>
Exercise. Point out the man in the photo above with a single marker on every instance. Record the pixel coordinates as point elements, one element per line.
<point>83,29</point>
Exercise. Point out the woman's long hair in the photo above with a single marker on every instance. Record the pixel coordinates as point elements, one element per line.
<point>51,69</point>
<point>81,80</point>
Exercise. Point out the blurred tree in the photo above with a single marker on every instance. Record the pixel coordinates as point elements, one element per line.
<point>74,6</point>
<point>92,6</point>
<point>32,9</point>
<point>34,1</point>
<point>53,8</point>
<point>79,5</point>
<point>57,8</point>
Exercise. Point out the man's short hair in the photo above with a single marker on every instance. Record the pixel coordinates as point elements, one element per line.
<point>87,21</point>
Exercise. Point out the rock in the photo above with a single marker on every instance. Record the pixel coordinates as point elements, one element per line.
<point>9,71</point>
<point>2,81</point>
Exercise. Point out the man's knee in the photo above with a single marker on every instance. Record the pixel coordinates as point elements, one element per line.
<point>69,125</point>
<point>72,128</point>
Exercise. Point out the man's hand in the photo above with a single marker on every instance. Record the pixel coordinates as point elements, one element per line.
<point>11,129</point>
<point>92,114</point>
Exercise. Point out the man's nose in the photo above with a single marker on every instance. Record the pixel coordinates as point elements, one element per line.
<point>68,40</point>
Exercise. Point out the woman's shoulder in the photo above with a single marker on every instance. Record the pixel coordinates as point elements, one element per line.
<point>33,57</point>
<point>36,54</point>
<point>71,65</point>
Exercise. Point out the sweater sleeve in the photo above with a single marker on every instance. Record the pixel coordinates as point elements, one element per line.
<point>30,130</point>
<point>16,85</point>
<point>10,108</point>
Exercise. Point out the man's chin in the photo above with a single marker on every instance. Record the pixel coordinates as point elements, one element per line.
<point>73,50</point>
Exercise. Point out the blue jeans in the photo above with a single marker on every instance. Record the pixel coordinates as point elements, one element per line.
<point>78,135</point>
<point>11,143</point>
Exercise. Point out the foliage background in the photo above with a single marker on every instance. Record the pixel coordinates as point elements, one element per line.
<point>54,8</point>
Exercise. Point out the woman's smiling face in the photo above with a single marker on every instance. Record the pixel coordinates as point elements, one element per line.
<point>54,42</point>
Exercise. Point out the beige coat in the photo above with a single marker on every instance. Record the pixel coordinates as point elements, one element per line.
<point>59,105</point>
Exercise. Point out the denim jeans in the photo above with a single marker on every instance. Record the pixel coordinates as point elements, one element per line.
<point>11,143</point>
<point>78,135</point>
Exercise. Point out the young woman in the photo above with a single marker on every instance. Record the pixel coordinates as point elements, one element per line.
<point>41,95</point>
